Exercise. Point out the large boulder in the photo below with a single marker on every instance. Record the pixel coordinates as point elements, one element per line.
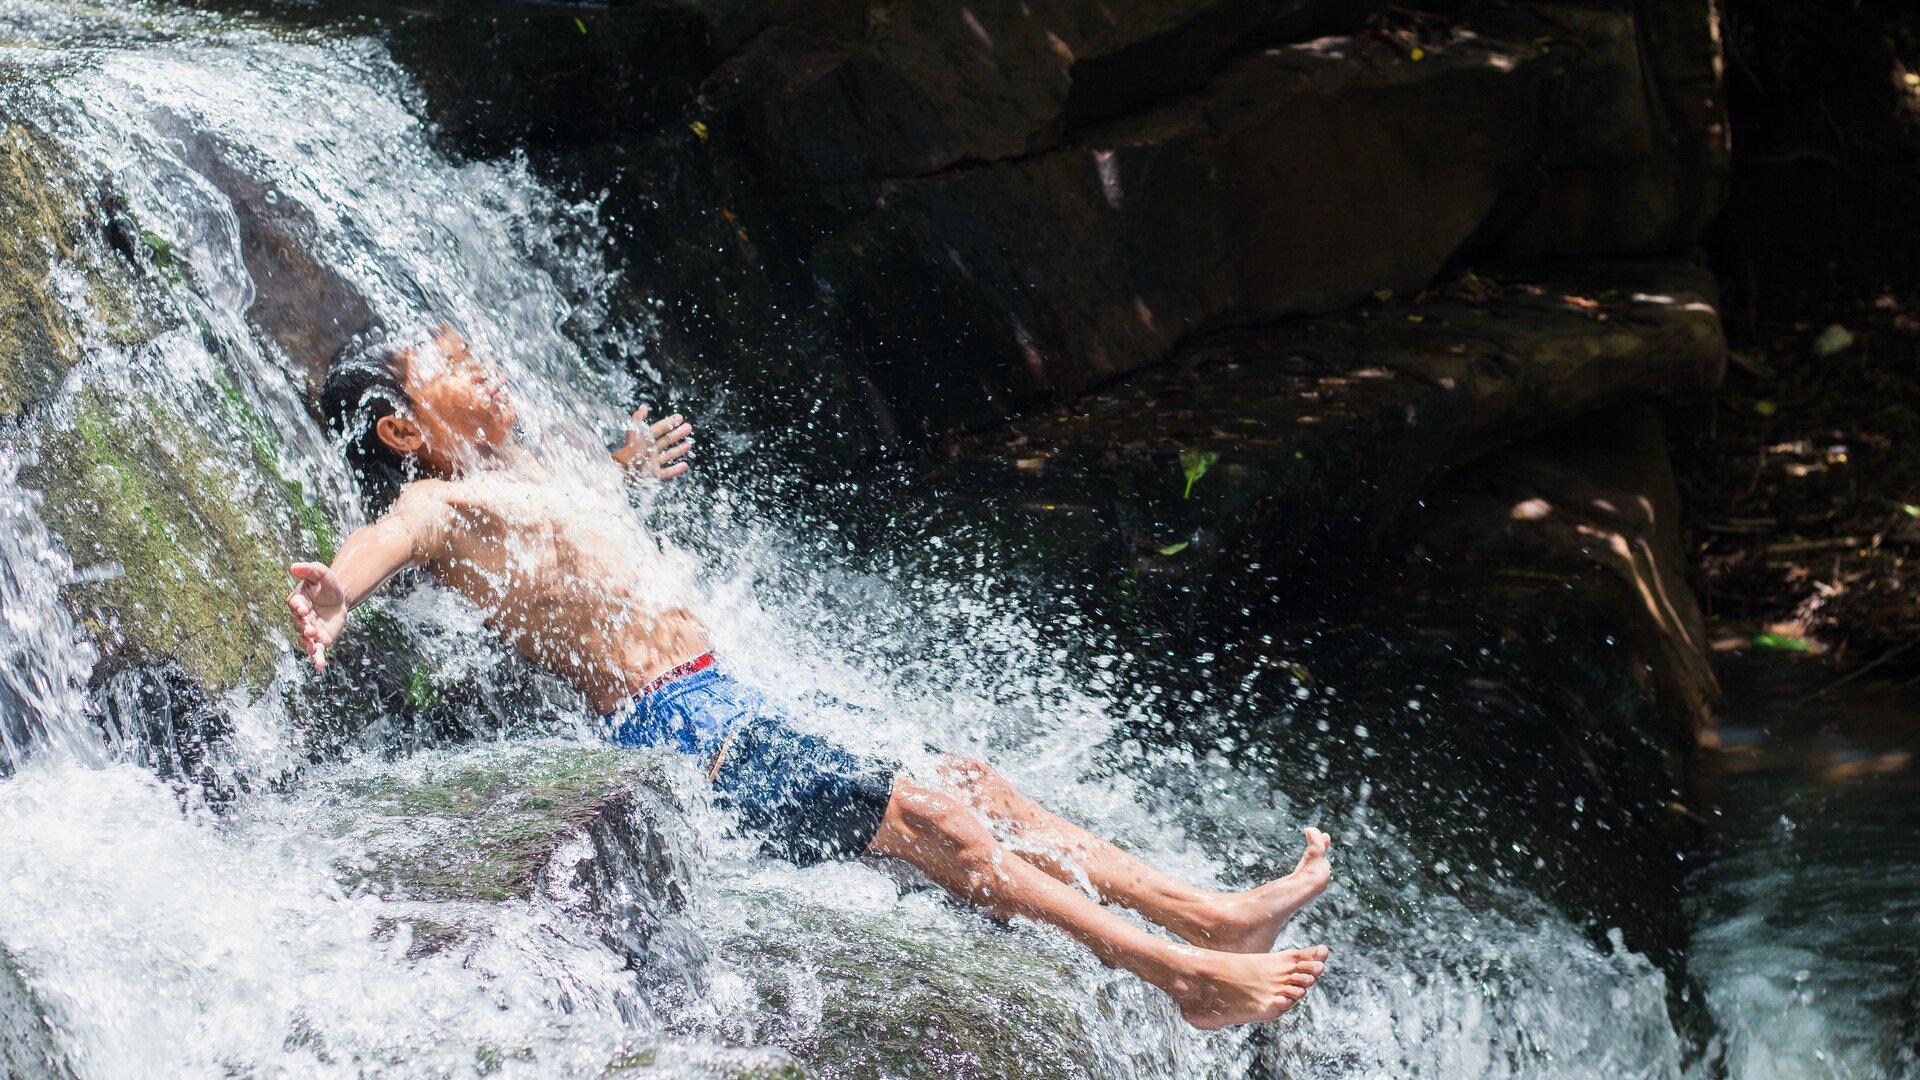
<point>494,826</point>
<point>1287,445</point>
<point>962,268</point>
<point>884,1000</point>
<point>1521,671</point>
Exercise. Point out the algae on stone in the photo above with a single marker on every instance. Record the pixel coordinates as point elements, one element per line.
<point>46,215</point>
<point>194,571</point>
<point>486,827</point>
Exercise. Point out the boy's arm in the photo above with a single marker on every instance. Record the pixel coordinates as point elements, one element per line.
<point>373,554</point>
<point>656,449</point>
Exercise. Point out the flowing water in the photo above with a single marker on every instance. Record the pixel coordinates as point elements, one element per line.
<point>171,928</point>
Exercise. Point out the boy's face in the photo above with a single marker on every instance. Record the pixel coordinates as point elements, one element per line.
<point>458,400</point>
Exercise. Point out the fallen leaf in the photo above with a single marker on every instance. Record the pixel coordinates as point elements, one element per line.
<point>582,27</point>
<point>1765,407</point>
<point>1175,549</point>
<point>1194,465</point>
<point>1833,341</point>
<point>699,129</point>
<point>1910,510</point>
<point>1781,644</point>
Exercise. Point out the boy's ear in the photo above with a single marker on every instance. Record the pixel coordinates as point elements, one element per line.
<point>401,435</point>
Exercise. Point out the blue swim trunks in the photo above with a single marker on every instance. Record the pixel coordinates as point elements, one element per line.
<point>807,798</point>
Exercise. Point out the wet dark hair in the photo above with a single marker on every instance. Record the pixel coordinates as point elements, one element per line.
<point>364,384</point>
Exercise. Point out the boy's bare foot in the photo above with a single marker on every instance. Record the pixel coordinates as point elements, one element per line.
<point>1248,922</point>
<point>1225,989</point>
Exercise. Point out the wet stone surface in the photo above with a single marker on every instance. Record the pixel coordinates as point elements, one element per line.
<point>27,1047</point>
<point>596,827</point>
<point>853,995</point>
<point>1307,440</point>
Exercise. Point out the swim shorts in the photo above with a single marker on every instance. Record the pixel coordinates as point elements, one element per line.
<point>807,798</point>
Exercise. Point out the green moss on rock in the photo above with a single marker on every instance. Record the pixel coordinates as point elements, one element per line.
<point>48,219</point>
<point>486,826</point>
<point>136,484</point>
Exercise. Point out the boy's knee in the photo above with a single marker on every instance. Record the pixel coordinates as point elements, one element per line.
<point>983,787</point>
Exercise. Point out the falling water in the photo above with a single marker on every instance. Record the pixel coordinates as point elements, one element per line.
<point>169,933</point>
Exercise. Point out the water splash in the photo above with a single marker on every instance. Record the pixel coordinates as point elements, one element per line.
<point>184,943</point>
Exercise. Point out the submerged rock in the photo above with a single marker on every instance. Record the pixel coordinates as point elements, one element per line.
<point>684,1062</point>
<point>865,996</point>
<point>27,1048</point>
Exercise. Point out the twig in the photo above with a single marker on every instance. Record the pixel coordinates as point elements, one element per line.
<point>1855,673</point>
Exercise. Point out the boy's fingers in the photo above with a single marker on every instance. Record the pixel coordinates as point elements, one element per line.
<point>672,471</point>
<point>677,450</point>
<point>319,658</point>
<point>661,427</point>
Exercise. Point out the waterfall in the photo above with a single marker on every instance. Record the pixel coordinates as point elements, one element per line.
<point>275,191</point>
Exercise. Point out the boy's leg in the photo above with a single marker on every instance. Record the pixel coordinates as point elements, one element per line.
<point>1235,922</point>
<point>945,838</point>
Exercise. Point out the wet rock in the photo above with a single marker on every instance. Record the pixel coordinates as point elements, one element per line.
<point>179,559</point>
<point>55,240</point>
<point>1304,441</point>
<point>1598,496</point>
<point>27,1047</point>
<point>893,1003</point>
<point>175,558</point>
<point>1528,660</point>
<point>503,825</point>
<point>299,304</point>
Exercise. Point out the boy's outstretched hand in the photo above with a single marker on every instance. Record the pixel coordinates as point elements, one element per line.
<point>656,449</point>
<point>319,607</point>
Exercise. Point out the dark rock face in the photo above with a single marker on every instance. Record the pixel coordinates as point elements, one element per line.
<point>1290,443</point>
<point>1526,672</point>
<point>909,217</point>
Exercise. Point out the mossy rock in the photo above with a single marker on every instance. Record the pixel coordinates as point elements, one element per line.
<point>195,563</point>
<point>49,219</point>
<point>486,825</point>
<point>27,1047</point>
<point>896,1002</point>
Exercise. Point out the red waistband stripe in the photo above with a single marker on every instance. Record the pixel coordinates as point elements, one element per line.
<point>698,663</point>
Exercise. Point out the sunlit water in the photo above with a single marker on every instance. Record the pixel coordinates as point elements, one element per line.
<point>168,939</point>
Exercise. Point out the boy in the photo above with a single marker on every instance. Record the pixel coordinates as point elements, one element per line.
<point>570,582</point>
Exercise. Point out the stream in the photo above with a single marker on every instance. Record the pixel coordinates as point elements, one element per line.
<point>184,911</point>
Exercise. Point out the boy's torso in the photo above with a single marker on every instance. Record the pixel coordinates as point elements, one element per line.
<point>566,576</point>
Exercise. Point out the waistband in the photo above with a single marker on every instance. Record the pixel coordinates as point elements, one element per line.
<point>678,671</point>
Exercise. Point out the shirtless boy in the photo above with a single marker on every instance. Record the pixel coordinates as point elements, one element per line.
<point>558,580</point>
